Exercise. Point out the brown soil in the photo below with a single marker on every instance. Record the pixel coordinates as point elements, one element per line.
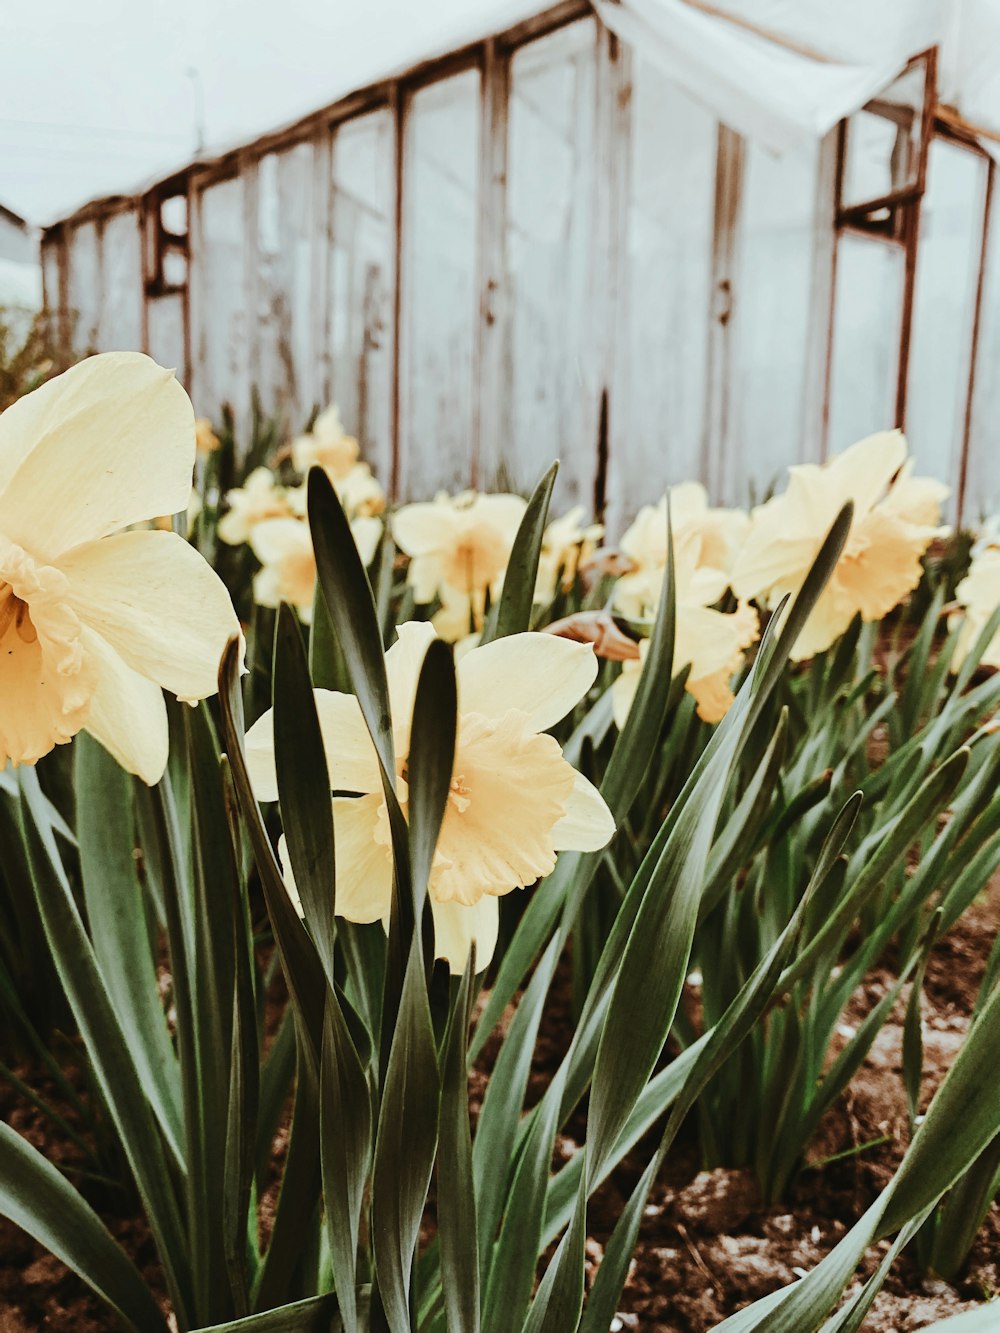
<point>707,1246</point>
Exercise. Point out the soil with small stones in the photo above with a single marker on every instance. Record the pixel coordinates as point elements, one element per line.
<point>708,1246</point>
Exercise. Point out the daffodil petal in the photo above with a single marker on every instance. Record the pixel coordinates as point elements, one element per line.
<point>158,604</point>
<point>588,824</point>
<point>127,713</point>
<point>542,675</point>
<point>275,538</point>
<point>109,443</point>
<point>402,668</point>
<point>364,865</point>
<point>456,926</point>
<point>350,755</point>
<point>419,529</point>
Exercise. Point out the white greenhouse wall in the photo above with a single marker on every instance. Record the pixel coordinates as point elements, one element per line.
<point>470,261</point>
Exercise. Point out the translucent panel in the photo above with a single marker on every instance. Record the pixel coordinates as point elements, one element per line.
<point>550,210</point>
<point>868,303</point>
<point>982,478</point>
<point>658,406</point>
<point>438,323</point>
<point>173,214</point>
<point>360,284</point>
<point>220,348</point>
<point>883,141</point>
<point>51,261</point>
<point>121,312</point>
<point>285,302</point>
<point>951,234</point>
<point>83,288</point>
<point>165,315</point>
<point>771,308</point>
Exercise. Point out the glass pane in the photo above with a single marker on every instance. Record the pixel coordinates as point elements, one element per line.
<point>166,332</point>
<point>439,285</point>
<point>360,279</point>
<point>550,182</point>
<point>951,233</point>
<point>84,288</point>
<point>771,307</point>
<point>51,260</point>
<point>883,141</point>
<point>221,358</point>
<point>285,301</point>
<point>121,314</point>
<point>867,308</point>
<point>658,408</point>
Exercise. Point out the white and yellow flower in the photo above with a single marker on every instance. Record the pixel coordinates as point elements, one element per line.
<point>979,595</point>
<point>712,643</point>
<point>515,801</point>
<point>259,498</point>
<point>328,445</point>
<point>712,537</point>
<point>288,562</point>
<point>889,533</point>
<point>205,438</point>
<point>95,621</point>
<point>566,542</point>
<point>461,542</point>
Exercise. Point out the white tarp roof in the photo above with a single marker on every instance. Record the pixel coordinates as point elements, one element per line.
<point>98,100</point>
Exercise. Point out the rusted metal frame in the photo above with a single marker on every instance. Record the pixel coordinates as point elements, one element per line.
<point>491,267</point>
<point>613,194</point>
<point>397,105</point>
<point>911,236</point>
<point>729,170</point>
<point>856,213</point>
<point>541,25</point>
<point>819,335</point>
<point>984,250</point>
<point>195,294</point>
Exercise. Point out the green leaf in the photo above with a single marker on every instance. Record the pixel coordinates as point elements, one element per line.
<point>304,786</point>
<point>405,1144</point>
<point>299,960</point>
<point>511,613</point>
<point>318,1314</point>
<point>107,1048</point>
<point>456,1195</point>
<point>431,760</point>
<point>345,1125</point>
<point>119,927</point>
<point>37,1198</point>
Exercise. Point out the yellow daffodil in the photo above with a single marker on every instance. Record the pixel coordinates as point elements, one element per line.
<point>461,541</point>
<point>711,642</point>
<point>359,492</point>
<point>327,444</point>
<point>258,499</point>
<point>205,438</point>
<point>979,595</point>
<point>713,535</point>
<point>514,802</point>
<point>94,620</point>
<point>565,543</point>
<point>881,561</point>
<point>288,574</point>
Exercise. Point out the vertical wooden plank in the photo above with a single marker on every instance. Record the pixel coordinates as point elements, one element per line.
<point>725,260</point>
<point>491,268</point>
<point>819,339</point>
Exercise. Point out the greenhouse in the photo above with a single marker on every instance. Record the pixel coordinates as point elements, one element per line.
<point>500,667</point>
<point>570,239</point>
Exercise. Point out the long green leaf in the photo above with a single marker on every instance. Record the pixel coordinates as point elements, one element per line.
<point>511,613</point>
<point>35,1196</point>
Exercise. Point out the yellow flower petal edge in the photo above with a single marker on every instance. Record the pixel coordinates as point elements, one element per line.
<point>94,621</point>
